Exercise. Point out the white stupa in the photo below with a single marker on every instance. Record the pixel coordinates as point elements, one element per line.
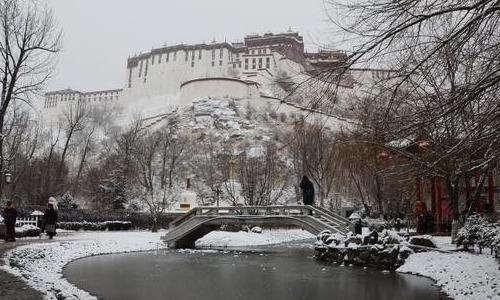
<point>188,197</point>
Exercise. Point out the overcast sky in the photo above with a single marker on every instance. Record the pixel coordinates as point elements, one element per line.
<point>99,35</point>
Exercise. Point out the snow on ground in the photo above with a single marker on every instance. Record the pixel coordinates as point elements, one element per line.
<point>242,238</point>
<point>444,243</point>
<point>461,275</point>
<point>41,264</point>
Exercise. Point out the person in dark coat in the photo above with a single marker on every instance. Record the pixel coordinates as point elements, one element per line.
<point>10,215</point>
<point>398,224</point>
<point>358,227</point>
<point>421,223</point>
<point>429,222</point>
<point>307,191</point>
<point>50,220</point>
<point>374,237</point>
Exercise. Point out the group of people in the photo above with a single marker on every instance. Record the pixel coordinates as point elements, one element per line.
<point>49,220</point>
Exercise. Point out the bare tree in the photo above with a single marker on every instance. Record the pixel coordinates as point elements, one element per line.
<point>316,154</point>
<point>262,176</point>
<point>28,41</point>
<point>445,55</point>
<point>21,138</point>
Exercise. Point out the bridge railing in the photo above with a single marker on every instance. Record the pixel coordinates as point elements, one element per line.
<point>213,211</point>
<point>251,210</point>
<point>242,211</point>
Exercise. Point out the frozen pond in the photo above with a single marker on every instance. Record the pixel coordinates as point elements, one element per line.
<point>273,273</point>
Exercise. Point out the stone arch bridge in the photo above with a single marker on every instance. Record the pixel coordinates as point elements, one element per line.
<point>185,230</point>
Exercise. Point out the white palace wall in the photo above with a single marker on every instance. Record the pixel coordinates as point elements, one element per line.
<point>218,88</point>
<point>172,77</point>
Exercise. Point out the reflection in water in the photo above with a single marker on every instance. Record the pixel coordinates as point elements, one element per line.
<point>278,274</point>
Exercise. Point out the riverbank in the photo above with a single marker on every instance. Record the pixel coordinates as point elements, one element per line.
<point>12,287</point>
<point>34,268</point>
<point>40,264</point>
<point>459,275</point>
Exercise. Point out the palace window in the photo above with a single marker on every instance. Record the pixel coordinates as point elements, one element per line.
<point>220,62</point>
<point>253,63</point>
<point>159,58</point>
<point>260,63</point>
<point>213,54</point>
<point>168,54</point>
<point>175,55</point>
<point>186,56</point>
<point>268,62</point>
<point>213,63</point>
<point>192,55</point>
<point>246,63</point>
<point>199,54</point>
<point>221,53</point>
<point>192,64</point>
<point>152,59</point>
<point>146,69</point>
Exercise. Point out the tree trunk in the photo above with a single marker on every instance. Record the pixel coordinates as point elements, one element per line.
<point>452,185</point>
<point>379,195</point>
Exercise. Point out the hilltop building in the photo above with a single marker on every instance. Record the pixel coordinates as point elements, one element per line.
<point>261,68</point>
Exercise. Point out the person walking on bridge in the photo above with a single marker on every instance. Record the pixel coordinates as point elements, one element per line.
<point>307,191</point>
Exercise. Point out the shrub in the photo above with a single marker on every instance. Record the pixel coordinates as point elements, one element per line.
<point>96,226</point>
<point>478,231</point>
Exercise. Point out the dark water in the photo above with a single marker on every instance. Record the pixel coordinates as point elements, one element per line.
<point>276,273</point>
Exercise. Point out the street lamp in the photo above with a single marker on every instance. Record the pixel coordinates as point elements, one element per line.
<point>8,176</point>
<point>5,172</point>
<point>216,189</point>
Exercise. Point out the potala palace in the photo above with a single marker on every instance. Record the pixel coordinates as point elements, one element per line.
<point>258,71</point>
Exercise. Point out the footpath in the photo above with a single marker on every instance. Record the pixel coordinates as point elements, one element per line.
<point>11,287</point>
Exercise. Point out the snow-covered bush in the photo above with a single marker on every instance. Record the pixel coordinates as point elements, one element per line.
<point>96,226</point>
<point>378,223</point>
<point>478,231</point>
<point>471,232</point>
<point>27,230</point>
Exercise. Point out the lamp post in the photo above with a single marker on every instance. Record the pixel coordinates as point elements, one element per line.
<point>5,172</point>
<point>216,189</point>
<point>232,163</point>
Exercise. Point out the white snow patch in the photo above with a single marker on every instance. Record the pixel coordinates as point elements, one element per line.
<point>242,238</point>
<point>463,276</point>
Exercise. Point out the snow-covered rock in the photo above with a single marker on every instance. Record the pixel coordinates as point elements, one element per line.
<point>423,240</point>
<point>256,229</point>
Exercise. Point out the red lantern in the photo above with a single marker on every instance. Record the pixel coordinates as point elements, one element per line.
<point>383,157</point>
<point>423,146</point>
